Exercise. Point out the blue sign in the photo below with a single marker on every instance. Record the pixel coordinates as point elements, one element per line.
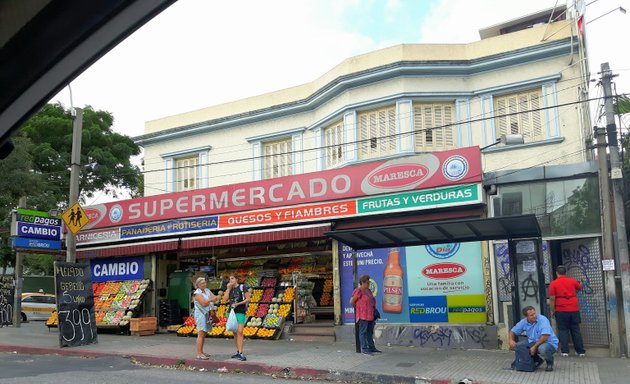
<point>428,309</point>
<point>169,227</point>
<point>38,231</point>
<point>120,268</point>
<point>21,242</point>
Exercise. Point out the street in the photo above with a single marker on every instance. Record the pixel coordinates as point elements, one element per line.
<point>45,369</point>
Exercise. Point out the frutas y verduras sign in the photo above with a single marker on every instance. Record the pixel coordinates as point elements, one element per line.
<point>422,171</point>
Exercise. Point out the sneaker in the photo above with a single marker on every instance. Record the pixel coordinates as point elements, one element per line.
<point>242,357</point>
<point>236,355</point>
<point>581,355</point>
<point>367,353</point>
<point>549,368</point>
<point>375,351</point>
<point>565,354</point>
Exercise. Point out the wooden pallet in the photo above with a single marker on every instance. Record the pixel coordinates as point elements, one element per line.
<point>143,326</point>
<point>143,333</point>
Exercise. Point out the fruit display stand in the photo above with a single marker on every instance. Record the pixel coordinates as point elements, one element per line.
<point>117,302</point>
<point>266,313</point>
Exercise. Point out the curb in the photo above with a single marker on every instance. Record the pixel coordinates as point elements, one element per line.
<point>227,366</point>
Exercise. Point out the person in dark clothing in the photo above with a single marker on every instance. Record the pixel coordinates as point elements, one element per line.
<point>239,298</point>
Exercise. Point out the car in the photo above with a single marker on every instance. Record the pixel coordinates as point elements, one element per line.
<point>37,306</point>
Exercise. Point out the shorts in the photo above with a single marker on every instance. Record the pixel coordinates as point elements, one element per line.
<point>202,321</point>
<point>240,318</point>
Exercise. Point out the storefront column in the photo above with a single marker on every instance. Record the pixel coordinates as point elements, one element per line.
<point>336,283</point>
<point>487,284</point>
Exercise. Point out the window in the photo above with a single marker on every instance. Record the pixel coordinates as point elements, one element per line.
<point>566,207</point>
<point>433,126</point>
<point>333,144</point>
<point>277,158</point>
<point>186,173</point>
<point>520,114</point>
<point>377,133</point>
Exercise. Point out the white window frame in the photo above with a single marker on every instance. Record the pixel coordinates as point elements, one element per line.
<point>334,150</point>
<point>277,158</point>
<point>521,113</point>
<point>434,125</point>
<point>378,132</point>
<point>171,159</point>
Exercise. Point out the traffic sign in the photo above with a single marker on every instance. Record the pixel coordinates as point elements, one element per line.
<point>75,218</point>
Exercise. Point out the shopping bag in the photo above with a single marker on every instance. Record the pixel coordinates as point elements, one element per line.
<point>212,316</point>
<point>232,323</point>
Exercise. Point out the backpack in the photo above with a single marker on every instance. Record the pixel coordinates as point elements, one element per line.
<point>524,361</point>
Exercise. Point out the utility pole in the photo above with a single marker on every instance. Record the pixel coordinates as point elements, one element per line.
<point>75,170</point>
<point>623,260</point>
<point>19,279</point>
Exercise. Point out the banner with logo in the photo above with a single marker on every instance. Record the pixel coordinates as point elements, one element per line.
<point>370,262</point>
<point>446,283</point>
<point>441,282</point>
<point>423,171</point>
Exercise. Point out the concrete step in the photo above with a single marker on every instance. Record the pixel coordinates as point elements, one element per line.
<point>315,331</point>
<point>316,338</point>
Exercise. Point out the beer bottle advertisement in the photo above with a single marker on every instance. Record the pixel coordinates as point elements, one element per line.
<point>374,262</point>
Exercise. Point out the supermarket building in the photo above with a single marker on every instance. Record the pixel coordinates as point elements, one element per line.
<point>391,149</point>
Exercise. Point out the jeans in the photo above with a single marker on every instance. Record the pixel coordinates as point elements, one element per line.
<point>366,335</point>
<point>545,350</point>
<point>569,324</point>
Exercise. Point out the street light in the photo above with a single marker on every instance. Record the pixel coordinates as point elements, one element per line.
<point>512,139</point>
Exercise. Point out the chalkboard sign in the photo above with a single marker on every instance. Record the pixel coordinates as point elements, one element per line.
<point>75,304</point>
<point>7,294</point>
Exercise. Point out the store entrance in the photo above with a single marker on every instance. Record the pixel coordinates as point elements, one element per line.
<point>291,284</point>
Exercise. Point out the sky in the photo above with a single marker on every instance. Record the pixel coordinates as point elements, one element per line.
<point>199,53</point>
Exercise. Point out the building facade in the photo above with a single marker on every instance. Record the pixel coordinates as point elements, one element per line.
<point>232,186</point>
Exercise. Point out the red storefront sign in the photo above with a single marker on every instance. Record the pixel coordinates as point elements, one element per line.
<point>422,171</point>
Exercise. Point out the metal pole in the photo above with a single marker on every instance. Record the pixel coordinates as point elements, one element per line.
<point>617,185</point>
<point>19,263</point>
<point>607,251</point>
<point>75,170</point>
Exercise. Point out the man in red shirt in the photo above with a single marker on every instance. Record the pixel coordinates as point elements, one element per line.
<point>566,310</point>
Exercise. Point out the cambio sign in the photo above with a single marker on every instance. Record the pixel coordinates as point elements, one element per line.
<point>125,268</point>
<point>460,166</point>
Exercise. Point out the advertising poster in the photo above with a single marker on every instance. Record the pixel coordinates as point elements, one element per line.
<point>446,283</point>
<point>373,262</point>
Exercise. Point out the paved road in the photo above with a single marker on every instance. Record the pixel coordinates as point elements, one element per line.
<point>49,369</point>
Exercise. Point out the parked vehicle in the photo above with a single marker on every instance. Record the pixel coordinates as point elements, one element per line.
<point>37,306</point>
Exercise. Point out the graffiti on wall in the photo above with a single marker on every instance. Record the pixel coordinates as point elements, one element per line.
<point>504,273</point>
<point>505,281</point>
<point>582,259</point>
<point>484,337</point>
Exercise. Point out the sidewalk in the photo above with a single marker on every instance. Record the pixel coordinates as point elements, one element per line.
<point>330,361</point>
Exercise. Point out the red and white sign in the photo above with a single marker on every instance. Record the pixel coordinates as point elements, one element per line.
<point>443,271</point>
<point>288,215</point>
<point>407,173</point>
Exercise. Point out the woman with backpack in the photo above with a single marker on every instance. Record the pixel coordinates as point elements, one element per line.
<point>238,297</point>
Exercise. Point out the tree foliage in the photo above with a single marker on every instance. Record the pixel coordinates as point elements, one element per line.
<point>105,154</point>
<point>39,166</point>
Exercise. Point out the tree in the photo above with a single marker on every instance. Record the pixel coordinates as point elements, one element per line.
<point>38,168</point>
<point>105,155</point>
<point>18,179</point>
